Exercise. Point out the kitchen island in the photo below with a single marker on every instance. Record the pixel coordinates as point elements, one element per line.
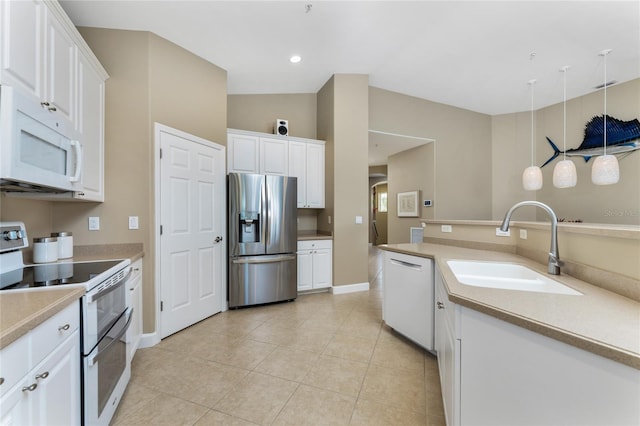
<point>512,357</point>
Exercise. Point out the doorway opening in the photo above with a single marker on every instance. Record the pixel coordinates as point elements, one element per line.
<point>378,212</point>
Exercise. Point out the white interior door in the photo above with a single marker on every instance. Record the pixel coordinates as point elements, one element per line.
<point>192,218</point>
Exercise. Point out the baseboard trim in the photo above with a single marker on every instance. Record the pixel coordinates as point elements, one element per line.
<point>350,288</point>
<point>148,340</point>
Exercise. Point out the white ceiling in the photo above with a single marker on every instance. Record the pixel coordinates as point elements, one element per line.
<point>474,55</point>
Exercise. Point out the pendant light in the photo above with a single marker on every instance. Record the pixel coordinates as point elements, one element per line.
<point>532,175</point>
<point>564,174</point>
<point>605,170</point>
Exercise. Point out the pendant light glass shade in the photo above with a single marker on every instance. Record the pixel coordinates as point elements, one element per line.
<point>532,175</point>
<point>605,170</point>
<point>564,174</point>
<point>532,178</point>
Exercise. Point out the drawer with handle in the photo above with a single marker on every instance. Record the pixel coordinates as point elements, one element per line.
<point>14,363</point>
<point>53,332</point>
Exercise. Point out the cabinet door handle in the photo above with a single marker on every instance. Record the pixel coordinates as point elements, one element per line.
<point>1,380</point>
<point>45,103</point>
<point>218,239</point>
<point>43,375</point>
<point>52,109</point>
<point>64,327</point>
<point>440,305</point>
<point>30,388</point>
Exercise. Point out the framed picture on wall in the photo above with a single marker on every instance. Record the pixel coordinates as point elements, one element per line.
<point>408,204</point>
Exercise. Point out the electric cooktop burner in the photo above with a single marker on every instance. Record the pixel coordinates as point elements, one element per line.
<point>54,274</point>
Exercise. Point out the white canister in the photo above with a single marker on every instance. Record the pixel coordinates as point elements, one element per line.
<point>45,249</point>
<point>65,244</point>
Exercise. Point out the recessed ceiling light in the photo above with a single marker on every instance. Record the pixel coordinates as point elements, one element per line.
<point>295,59</point>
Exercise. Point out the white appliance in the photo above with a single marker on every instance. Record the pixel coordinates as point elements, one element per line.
<point>408,297</point>
<point>105,368</point>
<point>40,152</point>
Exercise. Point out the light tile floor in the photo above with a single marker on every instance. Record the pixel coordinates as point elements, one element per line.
<point>323,359</point>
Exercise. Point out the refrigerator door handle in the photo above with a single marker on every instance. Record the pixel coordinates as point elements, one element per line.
<point>264,259</point>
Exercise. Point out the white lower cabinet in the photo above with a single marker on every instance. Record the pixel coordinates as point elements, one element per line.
<point>134,300</point>
<point>315,263</point>
<point>47,361</point>
<point>496,373</point>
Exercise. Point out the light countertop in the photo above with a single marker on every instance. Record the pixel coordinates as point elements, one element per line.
<point>313,235</point>
<point>599,321</point>
<point>23,310</point>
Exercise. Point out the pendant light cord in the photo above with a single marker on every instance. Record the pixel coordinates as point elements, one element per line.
<point>532,82</point>
<point>564,111</point>
<point>604,117</point>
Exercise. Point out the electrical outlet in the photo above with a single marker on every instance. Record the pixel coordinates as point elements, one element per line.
<point>523,234</point>
<point>329,219</point>
<point>500,233</point>
<point>94,223</point>
<point>358,220</point>
<point>133,222</point>
<point>446,228</point>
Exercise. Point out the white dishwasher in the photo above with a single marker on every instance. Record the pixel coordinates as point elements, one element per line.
<point>408,296</point>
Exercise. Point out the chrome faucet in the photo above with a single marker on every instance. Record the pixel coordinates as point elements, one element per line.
<point>554,258</point>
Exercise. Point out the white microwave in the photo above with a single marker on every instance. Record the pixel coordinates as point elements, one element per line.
<point>38,151</point>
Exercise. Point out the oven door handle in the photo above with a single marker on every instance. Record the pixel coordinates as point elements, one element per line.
<point>104,350</point>
<point>98,295</point>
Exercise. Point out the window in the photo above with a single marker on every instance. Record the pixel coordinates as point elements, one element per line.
<point>382,202</point>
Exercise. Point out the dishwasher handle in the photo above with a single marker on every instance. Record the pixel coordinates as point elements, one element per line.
<point>404,264</point>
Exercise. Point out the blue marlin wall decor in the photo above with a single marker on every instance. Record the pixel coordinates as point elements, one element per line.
<point>622,137</point>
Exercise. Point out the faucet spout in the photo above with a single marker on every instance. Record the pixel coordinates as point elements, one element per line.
<point>554,257</point>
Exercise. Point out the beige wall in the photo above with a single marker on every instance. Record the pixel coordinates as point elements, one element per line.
<point>259,113</point>
<point>616,204</point>
<point>410,170</point>
<point>36,215</point>
<point>462,149</point>
<point>150,79</point>
<point>351,171</point>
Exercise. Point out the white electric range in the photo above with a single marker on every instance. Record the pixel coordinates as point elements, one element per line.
<point>104,316</point>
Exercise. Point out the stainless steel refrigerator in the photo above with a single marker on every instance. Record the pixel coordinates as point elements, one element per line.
<point>262,239</point>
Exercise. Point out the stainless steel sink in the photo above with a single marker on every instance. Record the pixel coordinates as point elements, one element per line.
<point>507,276</point>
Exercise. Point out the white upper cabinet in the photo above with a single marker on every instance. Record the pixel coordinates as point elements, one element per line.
<point>22,46</point>
<point>39,56</point>
<point>43,55</point>
<point>253,152</point>
<point>274,156</point>
<point>306,162</point>
<point>298,168</point>
<point>243,153</point>
<point>315,176</point>
<point>61,59</point>
<point>91,127</point>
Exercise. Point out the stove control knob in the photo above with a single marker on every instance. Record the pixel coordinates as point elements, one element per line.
<point>12,235</point>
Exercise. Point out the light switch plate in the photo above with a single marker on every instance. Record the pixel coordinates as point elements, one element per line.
<point>358,220</point>
<point>133,222</point>
<point>523,234</point>
<point>94,223</point>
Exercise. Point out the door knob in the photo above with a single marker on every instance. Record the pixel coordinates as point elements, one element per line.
<point>218,239</point>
